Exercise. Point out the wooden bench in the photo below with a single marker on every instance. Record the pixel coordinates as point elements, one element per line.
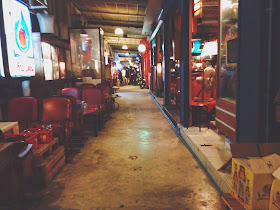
<point>49,159</point>
<point>230,203</point>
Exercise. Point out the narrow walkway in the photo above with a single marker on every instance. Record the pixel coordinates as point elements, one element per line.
<point>136,162</point>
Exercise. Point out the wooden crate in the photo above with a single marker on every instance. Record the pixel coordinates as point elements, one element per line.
<point>230,203</point>
<point>45,151</point>
<point>46,170</point>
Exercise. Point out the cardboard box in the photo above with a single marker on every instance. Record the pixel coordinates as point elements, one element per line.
<point>252,179</point>
<point>274,203</point>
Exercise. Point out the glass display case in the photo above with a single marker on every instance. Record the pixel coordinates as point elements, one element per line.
<point>203,75</point>
<point>86,52</point>
<point>228,50</point>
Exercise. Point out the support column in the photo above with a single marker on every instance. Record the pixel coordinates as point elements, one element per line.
<point>185,62</point>
<point>151,68</point>
<point>166,63</point>
<point>257,71</point>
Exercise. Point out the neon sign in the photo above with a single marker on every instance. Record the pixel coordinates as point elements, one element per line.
<point>18,32</point>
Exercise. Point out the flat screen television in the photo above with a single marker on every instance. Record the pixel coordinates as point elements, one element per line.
<point>18,31</point>
<point>196,46</point>
<point>232,52</point>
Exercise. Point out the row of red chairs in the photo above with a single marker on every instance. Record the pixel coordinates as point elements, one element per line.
<point>61,112</point>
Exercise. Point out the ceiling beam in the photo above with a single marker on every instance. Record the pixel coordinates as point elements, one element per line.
<point>132,2</point>
<point>125,51</point>
<point>88,12</point>
<point>115,23</point>
<point>133,36</point>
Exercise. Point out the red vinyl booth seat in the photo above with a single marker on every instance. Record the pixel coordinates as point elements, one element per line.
<point>22,109</point>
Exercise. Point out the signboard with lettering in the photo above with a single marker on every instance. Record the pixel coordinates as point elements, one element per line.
<point>17,25</point>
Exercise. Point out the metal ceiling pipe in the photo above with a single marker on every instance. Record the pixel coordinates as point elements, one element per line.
<point>156,30</point>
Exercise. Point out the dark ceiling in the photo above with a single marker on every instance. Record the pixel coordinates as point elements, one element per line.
<point>132,15</point>
<point>109,14</point>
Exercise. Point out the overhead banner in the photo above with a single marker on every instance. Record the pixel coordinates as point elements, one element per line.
<point>17,24</point>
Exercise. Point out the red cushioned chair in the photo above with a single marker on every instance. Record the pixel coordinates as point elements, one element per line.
<point>57,111</point>
<point>22,109</point>
<point>107,92</point>
<point>75,92</point>
<point>96,100</point>
<point>94,97</point>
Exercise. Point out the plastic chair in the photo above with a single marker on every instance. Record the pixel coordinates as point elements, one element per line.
<point>22,109</point>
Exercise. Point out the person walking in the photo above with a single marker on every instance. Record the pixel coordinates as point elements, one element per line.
<point>127,76</point>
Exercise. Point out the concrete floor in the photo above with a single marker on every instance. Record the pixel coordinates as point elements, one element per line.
<point>136,162</point>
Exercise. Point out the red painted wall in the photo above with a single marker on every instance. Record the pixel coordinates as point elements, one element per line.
<point>146,61</point>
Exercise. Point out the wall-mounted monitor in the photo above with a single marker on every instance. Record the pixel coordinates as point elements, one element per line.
<point>2,74</point>
<point>17,25</point>
<point>196,46</point>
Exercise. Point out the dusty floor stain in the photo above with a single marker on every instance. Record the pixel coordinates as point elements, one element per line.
<point>103,176</point>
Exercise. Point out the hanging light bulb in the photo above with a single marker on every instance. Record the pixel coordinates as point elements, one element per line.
<point>118,31</point>
<point>124,47</point>
<point>83,33</point>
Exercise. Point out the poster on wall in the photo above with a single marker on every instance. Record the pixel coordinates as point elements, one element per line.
<point>17,24</point>
<point>54,52</point>
<point>47,62</point>
<point>2,74</point>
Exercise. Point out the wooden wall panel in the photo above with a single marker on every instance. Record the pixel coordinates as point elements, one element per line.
<point>225,118</point>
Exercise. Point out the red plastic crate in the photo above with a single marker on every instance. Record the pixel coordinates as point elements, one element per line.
<point>44,136</point>
<point>30,138</point>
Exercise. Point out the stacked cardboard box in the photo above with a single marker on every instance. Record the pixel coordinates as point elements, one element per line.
<point>275,191</point>
<point>252,168</point>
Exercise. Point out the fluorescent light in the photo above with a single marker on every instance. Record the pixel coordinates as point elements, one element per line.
<point>124,47</point>
<point>118,31</point>
<point>83,33</point>
<point>141,48</point>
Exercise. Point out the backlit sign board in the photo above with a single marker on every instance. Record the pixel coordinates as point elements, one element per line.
<point>2,74</point>
<point>17,24</point>
<point>197,7</point>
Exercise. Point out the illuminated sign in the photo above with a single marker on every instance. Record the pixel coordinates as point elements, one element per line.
<point>2,74</point>
<point>125,58</point>
<point>196,48</point>
<point>197,7</point>
<point>18,32</point>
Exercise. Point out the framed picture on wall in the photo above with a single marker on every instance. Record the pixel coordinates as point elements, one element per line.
<point>73,50</point>
<point>68,64</point>
<point>54,52</point>
<point>232,52</point>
